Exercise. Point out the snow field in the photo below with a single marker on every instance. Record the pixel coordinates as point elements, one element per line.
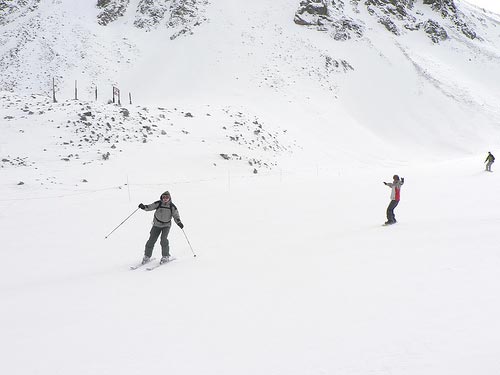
<point>294,274</point>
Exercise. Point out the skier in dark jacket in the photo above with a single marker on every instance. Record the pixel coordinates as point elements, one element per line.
<point>395,185</point>
<point>490,159</point>
<point>165,210</point>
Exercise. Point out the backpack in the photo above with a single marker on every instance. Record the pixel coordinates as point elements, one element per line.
<point>172,206</point>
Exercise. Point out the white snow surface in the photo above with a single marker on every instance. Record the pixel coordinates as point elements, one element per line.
<point>491,5</point>
<point>294,272</point>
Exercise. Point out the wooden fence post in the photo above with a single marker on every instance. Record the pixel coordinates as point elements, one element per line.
<point>54,90</point>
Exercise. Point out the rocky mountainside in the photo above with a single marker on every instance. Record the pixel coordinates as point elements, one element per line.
<point>65,38</point>
<point>436,18</point>
<point>10,10</point>
<point>180,15</point>
<point>69,39</point>
<point>334,71</point>
<point>79,132</point>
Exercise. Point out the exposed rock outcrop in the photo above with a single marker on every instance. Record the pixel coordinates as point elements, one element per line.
<point>435,31</point>
<point>398,16</point>
<point>150,13</point>
<point>179,15</point>
<point>328,17</point>
<point>111,10</point>
<point>9,10</point>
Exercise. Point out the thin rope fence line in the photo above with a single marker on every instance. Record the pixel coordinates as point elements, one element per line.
<point>61,195</point>
<point>281,172</point>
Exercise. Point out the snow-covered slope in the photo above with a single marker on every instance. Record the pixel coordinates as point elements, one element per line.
<point>38,132</point>
<point>294,273</point>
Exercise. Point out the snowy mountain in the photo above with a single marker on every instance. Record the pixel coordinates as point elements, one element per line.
<point>272,84</point>
<point>440,56</point>
<point>273,124</point>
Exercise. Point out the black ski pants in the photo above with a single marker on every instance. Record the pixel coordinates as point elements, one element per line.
<point>390,211</point>
<point>154,233</point>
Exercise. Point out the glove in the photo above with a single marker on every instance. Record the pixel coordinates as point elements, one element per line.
<point>385,183</point>
<point>141,206</point>
<point>181,225</point>
<point>402,180</point>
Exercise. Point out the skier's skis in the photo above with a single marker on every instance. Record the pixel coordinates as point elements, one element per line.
<point>141,264</point>
<point>150,268</point>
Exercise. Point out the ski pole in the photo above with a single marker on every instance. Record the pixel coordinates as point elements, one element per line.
<point>189,243</point>
<point>122,223</point>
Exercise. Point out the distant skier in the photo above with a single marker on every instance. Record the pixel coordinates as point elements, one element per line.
<point>490,159</point>
<point>395,185</point>
<point>165,211</point>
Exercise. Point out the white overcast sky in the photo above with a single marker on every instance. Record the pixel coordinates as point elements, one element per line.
<point>493,5</point>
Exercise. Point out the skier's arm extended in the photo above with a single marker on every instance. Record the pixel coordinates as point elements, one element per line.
<point>152,206</point>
